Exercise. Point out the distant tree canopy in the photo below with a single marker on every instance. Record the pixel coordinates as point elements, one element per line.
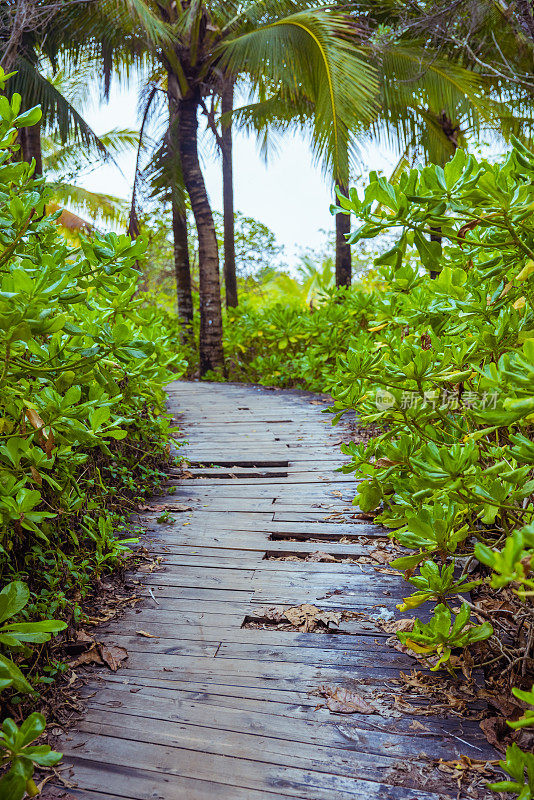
<point>257,251</point>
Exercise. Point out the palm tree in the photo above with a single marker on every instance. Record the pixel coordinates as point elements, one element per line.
<point>426,102</point>
<point>158,174</point>
<point>486,47</point>
<point>230,278</point>
<point>223,137</point>
<point>290,44</point>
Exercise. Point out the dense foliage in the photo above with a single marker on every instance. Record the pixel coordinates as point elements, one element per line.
<point>448,374</point>
<point>82,433</point>
<point>293,346</point>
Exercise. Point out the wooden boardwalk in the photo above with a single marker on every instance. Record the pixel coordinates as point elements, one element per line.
<point>211,710</point>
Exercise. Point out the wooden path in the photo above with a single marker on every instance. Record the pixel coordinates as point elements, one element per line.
<point>211,710</point>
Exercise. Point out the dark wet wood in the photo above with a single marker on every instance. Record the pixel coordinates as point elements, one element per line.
<point>206,708</point>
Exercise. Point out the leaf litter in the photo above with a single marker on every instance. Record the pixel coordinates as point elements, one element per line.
<point>341,700</point>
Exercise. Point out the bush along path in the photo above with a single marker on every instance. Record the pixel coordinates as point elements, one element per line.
<point>262,656</point>
<point>82,437</point>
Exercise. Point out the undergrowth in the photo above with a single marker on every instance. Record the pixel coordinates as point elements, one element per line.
<point>83,433</point>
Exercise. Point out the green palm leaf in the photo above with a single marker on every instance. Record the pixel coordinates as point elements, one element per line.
<point>304,55</point>
<point>99,207</point>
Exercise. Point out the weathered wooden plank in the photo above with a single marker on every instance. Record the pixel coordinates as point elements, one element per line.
<point>296,705</point>
<point>165,665</point>
<point>233,771</point>
<point>225,628</point>
<point>251,545</point>
<point>369,734</point>
<point>130,783</point>
<point>258,523</point>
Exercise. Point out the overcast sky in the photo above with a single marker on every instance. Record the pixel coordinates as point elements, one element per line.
<point>289,194</point>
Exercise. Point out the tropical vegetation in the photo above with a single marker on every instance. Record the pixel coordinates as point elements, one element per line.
<point>82,433</point>
<point>418,315</point>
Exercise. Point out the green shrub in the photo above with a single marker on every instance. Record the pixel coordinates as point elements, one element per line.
<point>82,370</point>
<point>18,756</point>
<point>288,346</point>
<point>83,433</point>
<point>446,372</point>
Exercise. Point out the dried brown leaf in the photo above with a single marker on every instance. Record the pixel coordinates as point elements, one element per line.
<point>82,637</point>
<point>319,555</point>
<point>113,656</point>
<point>495,730</point>
<point>417,726</point>
<point>36,476</point>
<point>34,419</point>
<point>91,656</point>
<point>396,625</point>
<point>382,556</point>
<point>167,507</point>
<point>345,701</point>
<point>306,616</point>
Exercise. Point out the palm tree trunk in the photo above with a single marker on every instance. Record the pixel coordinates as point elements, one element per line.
<point>450,132</point>
<point>30,142</point>
<point>182,266</point>
<point>210,339</point>
<point>230,280</point>
<point>182,269</point>
<point>343,254</point>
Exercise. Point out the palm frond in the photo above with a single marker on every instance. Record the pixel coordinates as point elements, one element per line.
<point>70,157</point>
<point>100,208</point>
<point>59,115</point>
<point>305,54</point>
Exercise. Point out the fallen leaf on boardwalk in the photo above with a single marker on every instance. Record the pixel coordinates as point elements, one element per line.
<point>364,515</point>
<point>151,566</point>
<point>113,656</point>
<point>147,634</point>
<point>306,616</point>
<point>345,701</point>
<point>397,625</point>
<point>408,708</point>
<point>320,556</point>
<point>417,726</point>
<point>382,556</point>
<point>464,768</point>
<point>91,656</point>
<point>336,493</point>
<point>271,613</point>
